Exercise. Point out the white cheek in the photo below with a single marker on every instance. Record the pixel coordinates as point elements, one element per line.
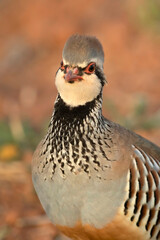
<point>78,93</point>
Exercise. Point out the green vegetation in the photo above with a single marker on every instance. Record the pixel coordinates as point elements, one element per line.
<point>148,15</point>
<point>13,143</point>
<point>137,118</point>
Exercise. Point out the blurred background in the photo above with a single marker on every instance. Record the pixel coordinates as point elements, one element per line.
<point>32,37</point>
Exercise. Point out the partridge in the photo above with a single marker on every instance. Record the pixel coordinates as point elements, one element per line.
<point>95,179</point>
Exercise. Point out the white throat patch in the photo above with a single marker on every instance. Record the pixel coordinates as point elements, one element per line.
<point>79,92</point>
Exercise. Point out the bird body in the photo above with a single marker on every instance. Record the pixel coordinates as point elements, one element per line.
<point>94,178</point>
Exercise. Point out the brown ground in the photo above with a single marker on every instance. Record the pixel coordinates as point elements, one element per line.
<point>31,40</point>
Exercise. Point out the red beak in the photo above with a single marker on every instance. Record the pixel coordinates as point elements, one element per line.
<point>70,76</point>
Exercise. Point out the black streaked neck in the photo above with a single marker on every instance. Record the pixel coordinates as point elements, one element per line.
<point>74,138</point>
<point>66,113</point>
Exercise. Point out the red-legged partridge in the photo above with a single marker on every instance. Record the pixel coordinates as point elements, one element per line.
<point>95,179</point>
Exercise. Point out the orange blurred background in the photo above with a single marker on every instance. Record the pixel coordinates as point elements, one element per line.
<point>32,37</point>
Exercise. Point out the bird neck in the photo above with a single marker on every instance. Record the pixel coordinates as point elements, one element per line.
<point>77,115</point>
<point>71,139</point>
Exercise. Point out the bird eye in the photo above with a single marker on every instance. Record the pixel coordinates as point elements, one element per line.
<point>62,66</point>
<point>90,68</point>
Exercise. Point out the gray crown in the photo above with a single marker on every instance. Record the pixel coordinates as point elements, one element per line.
<point>81,48</point>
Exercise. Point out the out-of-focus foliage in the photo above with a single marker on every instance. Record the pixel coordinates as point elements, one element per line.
<point>148,13</point>
<point>13,143</point>
<point>145,15</point>
<point>137,118</point>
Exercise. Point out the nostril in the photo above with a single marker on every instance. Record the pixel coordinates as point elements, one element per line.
<point>67,69</point>
<point>75,70</point>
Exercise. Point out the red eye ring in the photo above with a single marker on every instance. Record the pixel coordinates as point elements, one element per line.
<point>62,66</point>
<point>90,68</point>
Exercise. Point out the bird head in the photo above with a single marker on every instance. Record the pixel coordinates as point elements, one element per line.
<point>80,78</point>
